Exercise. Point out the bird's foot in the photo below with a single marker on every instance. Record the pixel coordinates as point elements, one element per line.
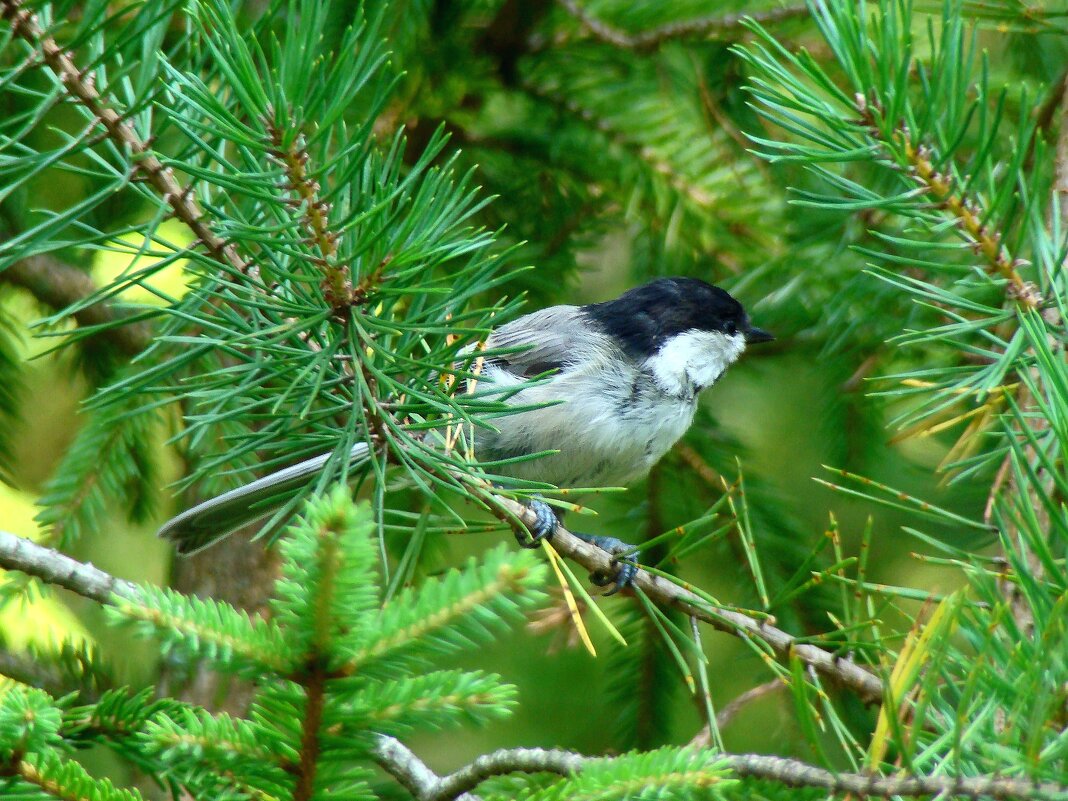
<point>626,569</point>
<point>544,524</point>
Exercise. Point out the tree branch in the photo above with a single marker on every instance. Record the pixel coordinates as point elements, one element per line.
<point>699,27</point>
<point>49,565</point>
<point>24,25</point>
<point>59,286</point>
<point>399,761</point>
<point>53,567</point>
<point>32,673</point>
<point>666,593</point>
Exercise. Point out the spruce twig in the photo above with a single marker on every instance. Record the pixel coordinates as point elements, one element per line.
<point>53,567</point>
<point>400,762</point>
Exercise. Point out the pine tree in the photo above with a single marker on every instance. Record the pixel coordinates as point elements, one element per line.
<point>326,207</point>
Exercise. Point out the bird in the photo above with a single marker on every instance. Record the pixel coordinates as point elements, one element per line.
<point>604,390</point>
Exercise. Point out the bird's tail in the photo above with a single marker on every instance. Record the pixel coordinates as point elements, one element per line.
<point>208,522</point>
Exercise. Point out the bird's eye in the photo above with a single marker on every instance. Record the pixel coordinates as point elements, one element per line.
<point>731,329</point>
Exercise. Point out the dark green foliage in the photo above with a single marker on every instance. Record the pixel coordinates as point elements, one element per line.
<point>9,390</point>
<point>331,669</point>
<point>641,700</point>
<point>856,173</point>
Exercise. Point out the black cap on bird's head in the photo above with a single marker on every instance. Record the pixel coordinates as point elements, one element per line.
<point>645,317</point>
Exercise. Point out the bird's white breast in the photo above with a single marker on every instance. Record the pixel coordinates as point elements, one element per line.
<point>615,424</point>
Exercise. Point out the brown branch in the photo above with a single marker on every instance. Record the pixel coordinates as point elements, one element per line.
<point>59,285</point>
<point>689,456</point>
<point>700,27</point>
<point>315,692</point>
<point>666,593</point>
<point>53,567</point>
<point>336,284</point>
<point>401,763</point>
<point>968,216</point>
<point>24,25</point>
<point>31,672</point>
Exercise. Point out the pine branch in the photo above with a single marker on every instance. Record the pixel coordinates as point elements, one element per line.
<point>59,286</point>
<point>294,157</point>
<point>967,215</point>
<point>24,24</point>
<point>19,553</point>
<point>700,27</point>
<point>1022,610</point>
<point>668,594</point>
<point>425,785</point>
<point>53,567</point>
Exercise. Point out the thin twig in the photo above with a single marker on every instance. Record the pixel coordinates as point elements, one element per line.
<point>702,27</point>
<point>794,773</point>
<point>703,738</point>
<point>24,24</point>
<point>408,769</point>
<point>26,670</point>
<point>399,761</point>
<point>702,469</point>
<point>53,567</point>
<point>867,685</point>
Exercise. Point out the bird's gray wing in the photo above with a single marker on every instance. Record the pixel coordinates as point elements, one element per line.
<point>549,339</point>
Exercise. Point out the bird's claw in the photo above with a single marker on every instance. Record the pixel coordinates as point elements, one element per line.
<point>626,569</point>
<point>544,524</point>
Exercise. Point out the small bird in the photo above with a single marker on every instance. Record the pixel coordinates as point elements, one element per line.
<point>622,379</point>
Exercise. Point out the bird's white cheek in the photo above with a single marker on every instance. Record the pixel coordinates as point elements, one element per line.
<point>694,360</point>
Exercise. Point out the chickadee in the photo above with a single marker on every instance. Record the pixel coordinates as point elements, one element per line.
<point>624,376</point>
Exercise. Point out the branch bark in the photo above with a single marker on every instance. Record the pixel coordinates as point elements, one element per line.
<point>703,738</point>
<point>401,763</point>
<point>842,671</point>
<point>698,27</point>
<point>53,567</point>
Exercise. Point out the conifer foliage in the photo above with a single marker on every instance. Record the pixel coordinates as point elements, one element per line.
<point>322,210</point>
<point>332,667</point>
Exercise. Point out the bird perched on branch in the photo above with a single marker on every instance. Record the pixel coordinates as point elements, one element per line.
<point>620,382</point>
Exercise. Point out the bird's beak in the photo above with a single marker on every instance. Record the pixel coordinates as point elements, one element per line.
<point>756,335</point>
